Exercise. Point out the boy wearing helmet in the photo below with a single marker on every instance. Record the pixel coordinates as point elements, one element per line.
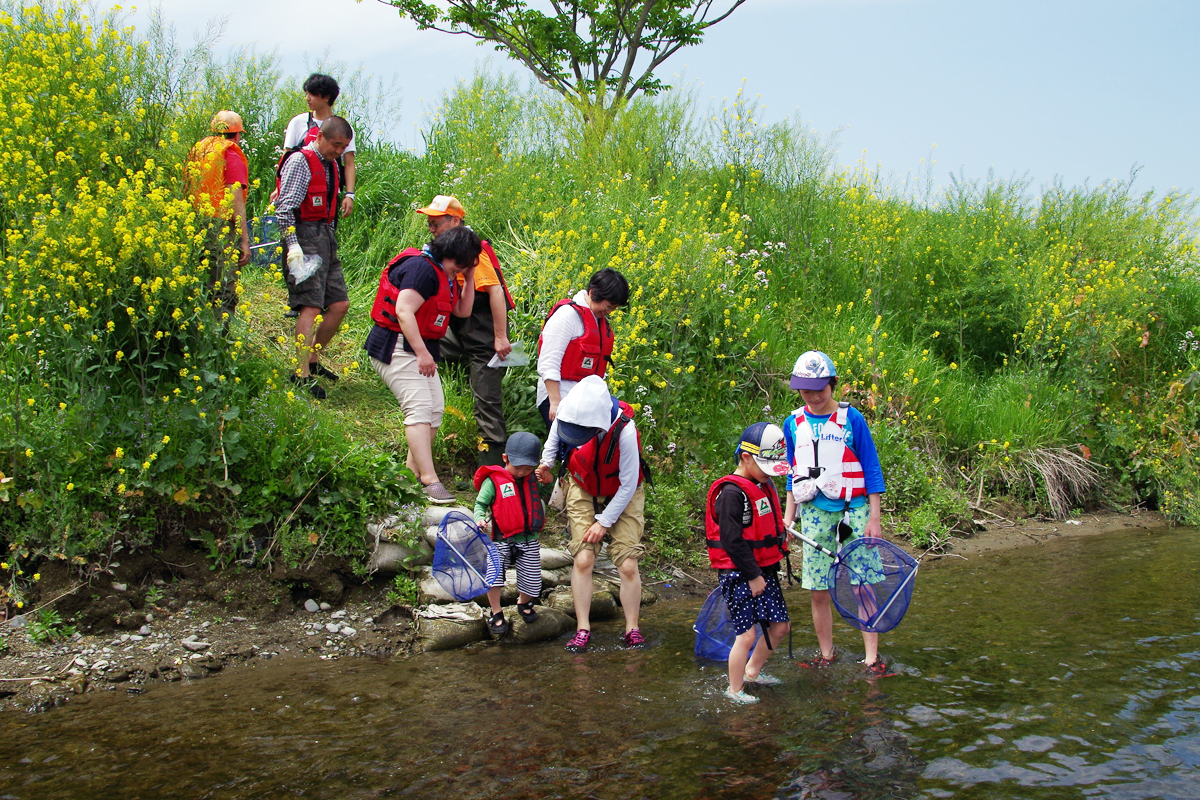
<point>835,483</point>
<point>218,175</point>
<point>746,544</point>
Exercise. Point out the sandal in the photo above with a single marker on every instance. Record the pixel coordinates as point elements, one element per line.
<point>528,615</point>
<point>498,625</point>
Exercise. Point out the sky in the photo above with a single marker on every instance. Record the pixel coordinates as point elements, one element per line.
<point>1079,91</point>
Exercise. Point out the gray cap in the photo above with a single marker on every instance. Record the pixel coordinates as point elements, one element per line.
<point>523,449</point>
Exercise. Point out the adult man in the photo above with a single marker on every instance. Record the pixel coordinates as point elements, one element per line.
<point>418,292</point>
<point>306,208</point>
<point>604,498</point>
<point>320,93</point>
<point>480,336</point>
<point>576,340</point>
<point>218,175</point>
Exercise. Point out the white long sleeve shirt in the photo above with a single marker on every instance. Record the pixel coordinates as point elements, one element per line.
<point>563,326</point>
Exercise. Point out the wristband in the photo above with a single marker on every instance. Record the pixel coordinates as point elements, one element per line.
<point>350,195</point>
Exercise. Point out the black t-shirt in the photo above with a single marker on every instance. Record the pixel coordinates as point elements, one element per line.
<point>734,514</point>
<point>416,273</point>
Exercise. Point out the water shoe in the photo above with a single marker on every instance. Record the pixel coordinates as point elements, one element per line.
<point>763,679</point>
<point>528,615</point>
<point>741,698</point>
<point>579,643</point>
<point>498,625</point>
<point>820,662</point>
<point>879,669</point>
<point>635,641</point>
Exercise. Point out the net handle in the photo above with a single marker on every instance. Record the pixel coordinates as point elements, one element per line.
<point>466,563</point>
<point>810,542</point>
<point>895,593</point>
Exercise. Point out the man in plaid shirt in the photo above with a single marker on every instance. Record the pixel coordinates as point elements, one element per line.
<point>306,207</point>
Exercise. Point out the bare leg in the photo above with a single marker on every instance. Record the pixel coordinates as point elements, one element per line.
<point>822,616</point>
<point>420,450</point>
<point>581,588</point>
<point>493,595</point>
<point>761,653</point>
<point>737,660</point>
<point>871,645</point>
<point>631,592</point>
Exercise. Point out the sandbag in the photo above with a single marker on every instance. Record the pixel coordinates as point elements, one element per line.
<point>431,590</point>
<point>448,634</point>
<point>390,557</point>
<point>604,607</point>
<point>555,577</point>
<point>551,623</point>
<point>553,558</point>
<point>604,566</point>
<point>648,596</point>
<point>433,514</point>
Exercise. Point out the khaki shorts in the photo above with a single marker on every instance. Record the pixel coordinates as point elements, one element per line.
<point>420,398</point>
<point>624,538</point>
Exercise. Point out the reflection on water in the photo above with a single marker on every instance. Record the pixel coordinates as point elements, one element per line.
<point>1068,670</point>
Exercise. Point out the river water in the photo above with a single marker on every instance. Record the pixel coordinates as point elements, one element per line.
<point>1066,670</point>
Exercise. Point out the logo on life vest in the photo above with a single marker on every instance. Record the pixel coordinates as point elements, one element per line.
<point>763,506</point>
<point>440,321</point>
<point>508,490</point>
<point>318,201</point>
<point>589,362</point>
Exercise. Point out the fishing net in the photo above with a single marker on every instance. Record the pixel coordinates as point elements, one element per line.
<point>871,583</point>
<point>714,628</point>
<point>465,562</point>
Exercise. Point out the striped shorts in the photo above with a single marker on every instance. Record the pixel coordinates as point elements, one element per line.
<point>527,556</point>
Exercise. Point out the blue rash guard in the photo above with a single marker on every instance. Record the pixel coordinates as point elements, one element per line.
<point>858,440</point>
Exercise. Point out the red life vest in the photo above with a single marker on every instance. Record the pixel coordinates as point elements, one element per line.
<point>320,204</point>
<point>596,466</point>
<point>589,353</point>
<point>481,297</point>
<point>518,507</point>
<point>765,533</point>
<point>433,317</point>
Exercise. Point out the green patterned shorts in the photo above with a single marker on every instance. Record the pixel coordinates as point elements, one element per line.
<point>821,526</point>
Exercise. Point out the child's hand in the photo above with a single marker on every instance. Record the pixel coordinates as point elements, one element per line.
<point>485,526</point>
<point>758,585</point>
<point>543,473</point>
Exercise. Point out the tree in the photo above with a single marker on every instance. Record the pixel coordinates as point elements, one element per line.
<point>597,53</point>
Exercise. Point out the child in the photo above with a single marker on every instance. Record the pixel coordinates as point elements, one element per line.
<point>746,543</point>
<point>508,496</point>
<point>835,478</point>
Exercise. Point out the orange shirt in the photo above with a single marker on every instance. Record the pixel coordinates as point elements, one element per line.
<point>485,273</point>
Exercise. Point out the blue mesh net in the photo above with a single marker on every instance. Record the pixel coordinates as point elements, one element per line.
<point>465,562</point>
<point>267,230</point>
<point>871,583</point>
<point>714,629</point>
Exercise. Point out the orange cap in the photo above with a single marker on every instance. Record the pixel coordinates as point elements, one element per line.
<point>443,204</point>
<point>226,122</point>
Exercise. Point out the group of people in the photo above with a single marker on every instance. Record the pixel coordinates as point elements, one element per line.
<point>317,167</point>
<point>448,299</point>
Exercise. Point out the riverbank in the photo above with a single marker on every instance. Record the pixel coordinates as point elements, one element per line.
<point>202,623</point>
